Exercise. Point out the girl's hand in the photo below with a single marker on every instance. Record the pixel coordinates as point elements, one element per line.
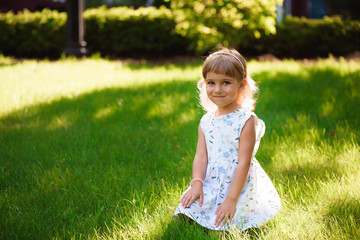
<point>194,192</point>
<point>225,212</point>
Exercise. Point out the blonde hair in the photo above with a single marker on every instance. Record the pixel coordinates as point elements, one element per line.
<point>231,63</point>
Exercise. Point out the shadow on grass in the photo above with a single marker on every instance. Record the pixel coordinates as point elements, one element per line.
<point>186,230</point>
<point>320,99</point>
<point>324,95</point>
<point>70,166</point>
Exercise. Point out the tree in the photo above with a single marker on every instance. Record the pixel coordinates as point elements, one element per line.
<point>225,22</point>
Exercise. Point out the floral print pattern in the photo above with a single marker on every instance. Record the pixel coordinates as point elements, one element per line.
<point>258,201</point>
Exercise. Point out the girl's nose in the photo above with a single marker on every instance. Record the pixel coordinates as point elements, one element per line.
<point>217,88</point>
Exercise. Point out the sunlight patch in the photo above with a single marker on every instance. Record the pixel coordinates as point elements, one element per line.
<point>187,116</point>
<point>105,112</point>
<point>59,121</point>
<point>327,108</point>
<point>165,106</point>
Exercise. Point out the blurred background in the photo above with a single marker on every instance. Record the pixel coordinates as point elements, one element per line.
<point>299,8</point>
<point>142,29</point>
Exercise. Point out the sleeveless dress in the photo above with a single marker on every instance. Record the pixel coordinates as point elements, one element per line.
<point>258,201</point>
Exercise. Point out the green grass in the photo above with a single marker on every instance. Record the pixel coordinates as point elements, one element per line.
<point>95,149</point>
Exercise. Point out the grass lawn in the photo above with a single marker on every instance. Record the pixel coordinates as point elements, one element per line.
<point>93,149</point>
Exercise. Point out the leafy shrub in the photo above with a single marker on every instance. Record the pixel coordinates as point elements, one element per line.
<point>37,34</point>
<point>122,30</point>
<point>152,32</point>
<point>116,31</point>
<point>209,22</point>
<point>301,37</point>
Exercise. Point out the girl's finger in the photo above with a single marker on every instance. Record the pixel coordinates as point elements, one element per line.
<point>219,219</point>
<point>216,219</point>
<point>190,201</point>
<point>226,218</point>
<point>231,218</point>
<point>218,210</point>
<point>201,199</point>
<point>184,200</point>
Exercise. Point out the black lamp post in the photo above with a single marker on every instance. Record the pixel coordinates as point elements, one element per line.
<point>75,44</point>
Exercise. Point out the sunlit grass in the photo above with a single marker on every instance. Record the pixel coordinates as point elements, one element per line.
<point>33,82</point>
<point>95,148</point>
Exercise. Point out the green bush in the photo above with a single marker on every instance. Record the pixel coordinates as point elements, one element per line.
<point>150,32</point>
<point>144,31</point>
<point>38,34</point>
<point>300,37</point>
<point>115,32</point>
<point>210,22</point>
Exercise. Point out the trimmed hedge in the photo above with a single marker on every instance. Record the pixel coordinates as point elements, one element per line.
<point>124,31</point>
<point>115,32</point>
<point>151,32</point>
<point>38,34</point>
<point>300,37</point>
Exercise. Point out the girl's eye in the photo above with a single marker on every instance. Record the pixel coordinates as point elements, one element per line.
<point>210,83</point>
<point>227,82</point>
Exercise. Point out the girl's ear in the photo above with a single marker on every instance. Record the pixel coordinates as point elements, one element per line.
<point>243,83</point>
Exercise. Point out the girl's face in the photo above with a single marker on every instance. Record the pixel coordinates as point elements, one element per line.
<point>223,90</point>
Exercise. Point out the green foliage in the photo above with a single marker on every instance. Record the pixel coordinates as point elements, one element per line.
<point>95,149</point>
<point>300,37</point>
<point>210,22</point>
<point>122,3</point>
<point>144,31</point>
<point>115,31</point>
<point>30,34</point>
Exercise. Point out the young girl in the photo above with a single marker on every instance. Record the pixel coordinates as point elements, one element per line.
<point>229,188</point>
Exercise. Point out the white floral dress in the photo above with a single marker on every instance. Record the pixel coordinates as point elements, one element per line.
<point>258,201</point>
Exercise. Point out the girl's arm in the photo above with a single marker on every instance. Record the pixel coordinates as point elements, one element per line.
<point>246,147</point>
<point>199,170</point>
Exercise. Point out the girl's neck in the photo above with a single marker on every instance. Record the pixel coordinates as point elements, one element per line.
<point>227,109</point>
